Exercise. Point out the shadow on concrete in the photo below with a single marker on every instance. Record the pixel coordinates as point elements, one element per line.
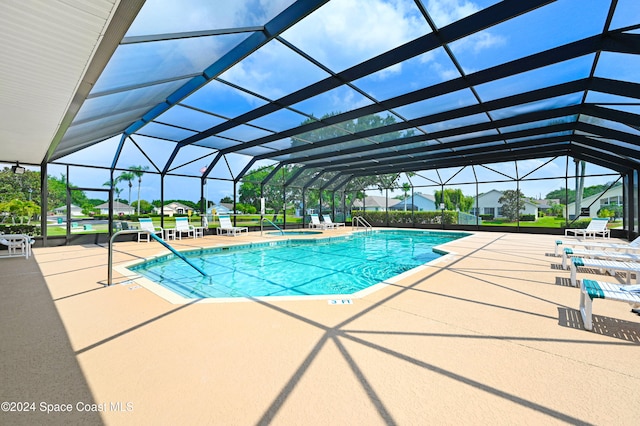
<point>605,326</point>
<point>39,366</point>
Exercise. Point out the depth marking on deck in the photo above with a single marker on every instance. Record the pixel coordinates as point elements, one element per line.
<point>340,302</point>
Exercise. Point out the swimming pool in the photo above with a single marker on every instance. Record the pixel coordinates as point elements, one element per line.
<point>327,266</point>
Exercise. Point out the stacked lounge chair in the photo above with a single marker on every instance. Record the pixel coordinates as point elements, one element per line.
<point>633,246</point>
<point>591,289</point>
<point>610,266</point>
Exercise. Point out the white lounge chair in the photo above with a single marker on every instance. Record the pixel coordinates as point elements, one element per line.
<point>633,246</point>
<point>146,224</point>
<point>226,227</point>
<point>183,227</point>
<point>315,223</point>
<point>327,220</point>
<point>610,266</point>
<point>597,227</point>
<point>17,245</point>
<point>591,289</point>
<point>567,253</point>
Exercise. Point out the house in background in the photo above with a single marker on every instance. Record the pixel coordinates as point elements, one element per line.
<point>118,208</point>
<point>222,208</point>
<point>611,197</point>
<point>488,204</point>
<point>419,202</point>
<point>544,205</point>
<point>374,203</point>
<point>62,211</point>
<point>173,208</point>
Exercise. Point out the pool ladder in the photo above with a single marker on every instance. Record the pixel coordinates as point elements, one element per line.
<point>359,221</point>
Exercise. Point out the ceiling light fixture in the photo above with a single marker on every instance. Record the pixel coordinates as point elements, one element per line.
<point>18,169</point>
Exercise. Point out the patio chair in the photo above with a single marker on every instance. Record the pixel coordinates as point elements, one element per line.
<point>14,247</point>
<point>226,227</point>
<point>183,227</point>
<point>327,220</point>
<point>598,254</point>
<point>315,223</point>
<point>633,246</point>
<point>146,224</point>
<point>17,245</point>
<point>597,227</point>
<point>591,289</point>
<point>610,266</point>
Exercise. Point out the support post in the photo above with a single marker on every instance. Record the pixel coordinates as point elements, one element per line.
<point>44,190</point>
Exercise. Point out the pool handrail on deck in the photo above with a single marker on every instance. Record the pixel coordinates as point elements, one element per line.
<point>262,219</point>
<point>155,237</point>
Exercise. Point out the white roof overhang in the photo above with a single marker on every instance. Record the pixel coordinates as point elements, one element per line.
<point>51,53</point>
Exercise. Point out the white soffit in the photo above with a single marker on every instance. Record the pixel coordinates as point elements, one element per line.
<point>46,49</point>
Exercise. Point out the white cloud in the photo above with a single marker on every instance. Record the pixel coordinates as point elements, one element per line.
<point>445,73</point>
<point>444,12</point>
<point>478,42</point>
<point>272,8</point>
<point>187,15</point>
<point>345,32</point>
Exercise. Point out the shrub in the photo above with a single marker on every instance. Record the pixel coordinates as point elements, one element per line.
<point>528,217</point>
<point>486,217</point>
<point>579,224</point>
<point>31,230</point>
<point>397,218</point>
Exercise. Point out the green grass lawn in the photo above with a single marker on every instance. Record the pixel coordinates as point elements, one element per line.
<point>254,220</point>
<point>542,222</point>
<point>170,222</point>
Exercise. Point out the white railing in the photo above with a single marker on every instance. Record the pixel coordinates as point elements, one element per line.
<point>152,235</point>
<point>262,219</point>
<point>359,221</point>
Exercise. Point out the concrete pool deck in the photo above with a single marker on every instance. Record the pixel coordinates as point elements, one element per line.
<point>489,335</point>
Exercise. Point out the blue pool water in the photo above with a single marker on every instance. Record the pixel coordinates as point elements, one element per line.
<point>337,265</point>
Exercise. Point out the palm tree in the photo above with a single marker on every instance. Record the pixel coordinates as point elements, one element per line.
<point>126,177</point>
<point>138,171</point>
<point>406,188</point>
<point>115,188</point>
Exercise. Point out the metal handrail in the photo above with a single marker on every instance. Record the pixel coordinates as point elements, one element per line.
<point>155,237</point>
<point>262,219</point>
<point>359,220</point>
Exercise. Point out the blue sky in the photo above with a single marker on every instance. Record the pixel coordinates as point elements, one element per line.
<point>340,34</point>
